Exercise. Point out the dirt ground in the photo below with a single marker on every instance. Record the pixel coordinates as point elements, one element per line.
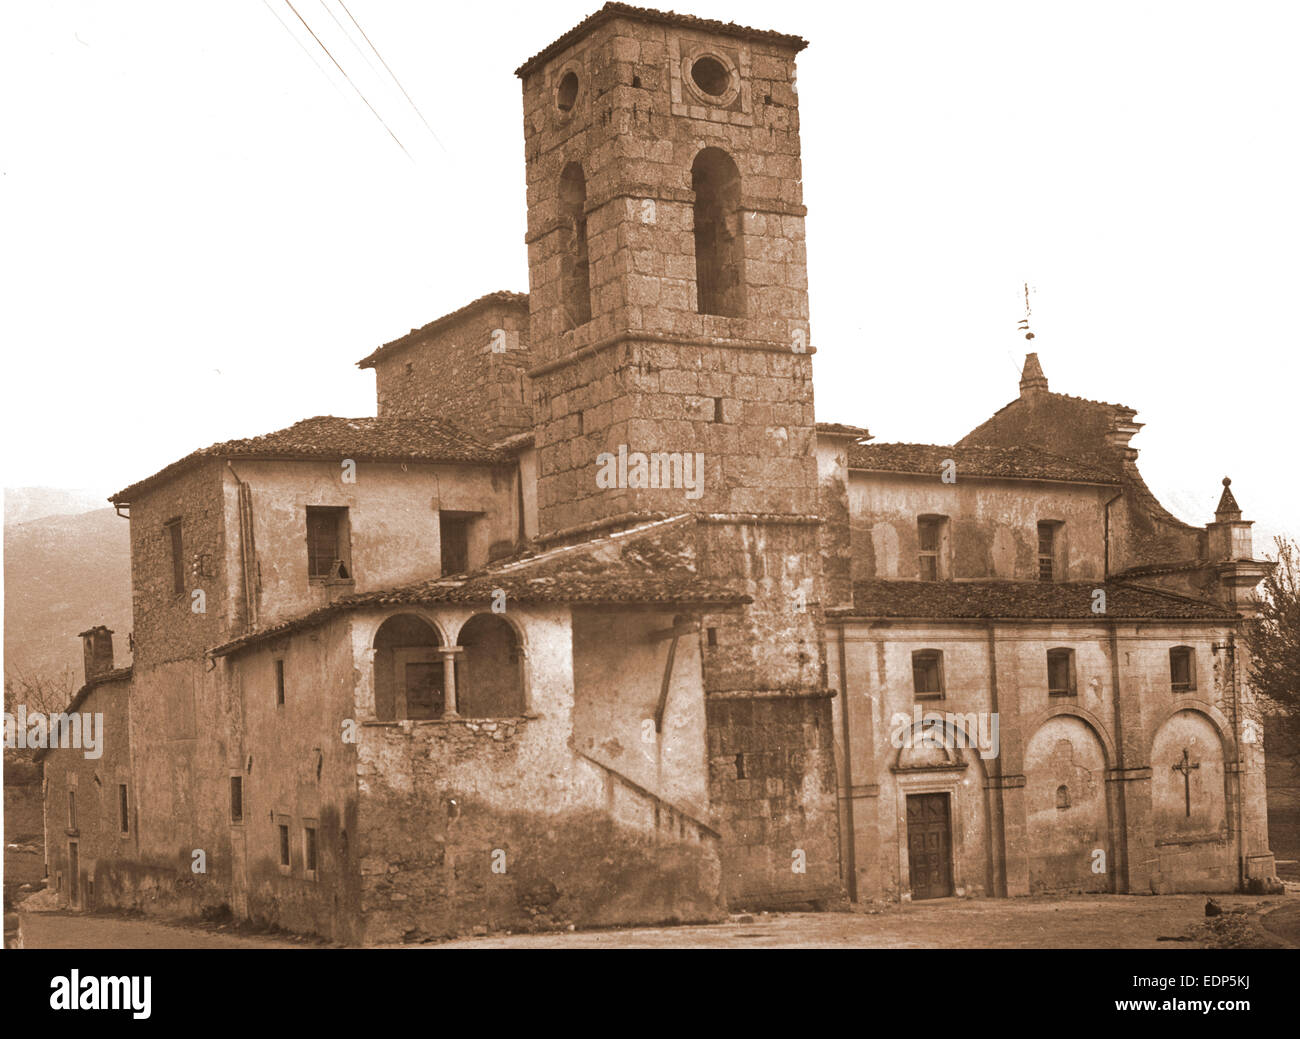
<point>1088,922</point>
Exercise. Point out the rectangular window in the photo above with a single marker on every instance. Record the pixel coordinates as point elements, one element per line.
<point>284,844</point>
<point>927,674</point>
<point>309,848</point>
<point>930,532</point>
<point>72,809</point>
<point>279,682</point>
<point>123,819</point>
<point>236,799</point>
<point>1047,545</point>
<point>173,533</point>
<point>1060,672</point>
<point>328,544</point>
<point>1182,669</point>
<point>453,529</point>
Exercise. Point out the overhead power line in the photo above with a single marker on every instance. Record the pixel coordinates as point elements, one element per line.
<point>349,78</point>
<point>310,57</point>
<point>393,74</point>
<point>355,46</point>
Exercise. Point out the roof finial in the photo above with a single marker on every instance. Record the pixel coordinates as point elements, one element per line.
<point>1228,509</point>
<point>1032,378</point>
<point>1024,322</point>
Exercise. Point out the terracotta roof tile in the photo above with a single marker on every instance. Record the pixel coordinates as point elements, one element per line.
<point>506,298</point>
<point>650,564</point>
<point>842,429</point>
<point>616,10</point>
<point>326,436</point>
<point>1023,600</point>
<point>1010,463</point>
<point>118,674</point>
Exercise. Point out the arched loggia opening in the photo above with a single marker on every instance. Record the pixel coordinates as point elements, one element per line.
<point>719,238</point>
<point>490,670</point>
<point>575,276</point>
<point>408,669</point>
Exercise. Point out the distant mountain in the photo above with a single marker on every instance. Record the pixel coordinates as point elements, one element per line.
<point>64,574</point>
<point>24,504</point>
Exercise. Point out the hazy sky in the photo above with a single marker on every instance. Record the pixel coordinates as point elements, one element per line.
<point>204,227</point>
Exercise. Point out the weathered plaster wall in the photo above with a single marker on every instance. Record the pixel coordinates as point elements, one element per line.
<point>101,843</point>
<point>835,535</point>
<point>1114,759</point>
<point>392,513</point>
<point>618,675</point>
<point>297,766</point>
<point>443,802</point>
<point>993,525</point>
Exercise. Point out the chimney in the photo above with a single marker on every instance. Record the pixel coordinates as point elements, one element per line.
<point>97,643</point>
<point>1032,379</point>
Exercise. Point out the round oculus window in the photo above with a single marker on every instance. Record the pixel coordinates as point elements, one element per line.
<point>711,76</point>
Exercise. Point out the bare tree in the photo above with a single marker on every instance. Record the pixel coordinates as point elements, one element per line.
<point>1274,642</point>
<point>46,692</point>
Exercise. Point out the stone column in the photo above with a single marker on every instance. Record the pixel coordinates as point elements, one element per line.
<point>449,709</point>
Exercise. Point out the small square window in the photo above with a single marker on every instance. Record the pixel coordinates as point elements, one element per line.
<point>1060,672</point>
<point>930,533</point>
<point>1182,669</point>
<point>236,799</point>
<point>927,674</point>
<point>172,529</point>
<point>329,556</point>
<point>309,849</point>
<point>1051,550</point>
<point>453,532</point>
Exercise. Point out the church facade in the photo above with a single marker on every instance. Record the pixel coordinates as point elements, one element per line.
<point>593,623</point>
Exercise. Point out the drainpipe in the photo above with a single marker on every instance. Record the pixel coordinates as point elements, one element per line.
<point>1120,847</point>
<point>850,854</point>
<point>1241,775</point>
<point>998,839</point>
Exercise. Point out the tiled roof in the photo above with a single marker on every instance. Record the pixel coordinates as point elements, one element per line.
<point>841,429</point>
<point>615,10</point>
<point>1073,427</point>
<point>325,436</point>
<point>1010,463</point>
<point>118,674</point>
<point>646,565</point>
<point>1023,600</point>
<point>502,298</point>
<point>1156,569</point>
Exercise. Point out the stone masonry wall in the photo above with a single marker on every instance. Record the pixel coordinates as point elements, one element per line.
<point>464,373</point>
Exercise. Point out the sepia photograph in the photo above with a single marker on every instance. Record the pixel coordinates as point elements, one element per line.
<point>559,476</point>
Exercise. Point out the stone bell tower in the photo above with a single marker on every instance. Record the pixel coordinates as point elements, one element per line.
<point>669,326</point>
